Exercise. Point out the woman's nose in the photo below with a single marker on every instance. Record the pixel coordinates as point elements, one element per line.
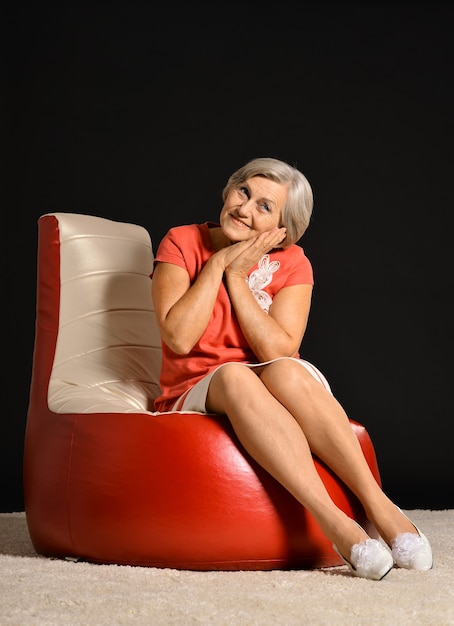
<point>246,207</point>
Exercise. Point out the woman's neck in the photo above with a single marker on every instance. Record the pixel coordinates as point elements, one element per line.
<point>218,239</point>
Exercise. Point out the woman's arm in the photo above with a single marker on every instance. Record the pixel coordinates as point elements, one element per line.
<point>183,311</point>
<point>279,332</point>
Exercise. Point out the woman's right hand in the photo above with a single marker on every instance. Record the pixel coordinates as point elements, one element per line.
<point>240,257</point>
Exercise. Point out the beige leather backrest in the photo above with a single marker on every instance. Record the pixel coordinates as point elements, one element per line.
<point>108,352</point>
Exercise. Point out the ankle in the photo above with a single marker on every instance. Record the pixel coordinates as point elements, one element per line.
<point>390,521</point>
<point>348,535</point>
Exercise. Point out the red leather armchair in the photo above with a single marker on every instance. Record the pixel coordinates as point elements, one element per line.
<point>106,478</point>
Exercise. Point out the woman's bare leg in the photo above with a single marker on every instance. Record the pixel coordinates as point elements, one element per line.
<point>277,442</point>
<point>331,438</point>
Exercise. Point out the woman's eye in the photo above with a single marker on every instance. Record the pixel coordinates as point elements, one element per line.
<point>244,191</point>
<point>265,207</point>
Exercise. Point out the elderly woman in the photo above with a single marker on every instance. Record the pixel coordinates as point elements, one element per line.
<point>232,301</point>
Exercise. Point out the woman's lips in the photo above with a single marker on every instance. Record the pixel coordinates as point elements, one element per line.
<point>238,221</point>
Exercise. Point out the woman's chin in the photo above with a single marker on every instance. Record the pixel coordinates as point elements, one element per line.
<point>235,235</point>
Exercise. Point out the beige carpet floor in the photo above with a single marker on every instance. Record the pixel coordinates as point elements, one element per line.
<point>39,591</point>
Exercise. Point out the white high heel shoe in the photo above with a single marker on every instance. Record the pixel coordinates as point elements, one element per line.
<point>411,550</point>
<point>369,559</point>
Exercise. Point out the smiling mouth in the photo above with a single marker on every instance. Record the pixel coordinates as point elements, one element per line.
<point>238,221</point>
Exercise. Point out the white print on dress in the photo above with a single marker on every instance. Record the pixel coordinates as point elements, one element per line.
<point>260,278</point>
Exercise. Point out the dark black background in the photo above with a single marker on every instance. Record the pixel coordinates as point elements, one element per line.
<point>139,111</point>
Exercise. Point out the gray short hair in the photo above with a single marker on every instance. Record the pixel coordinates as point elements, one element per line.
<point>297,211</point>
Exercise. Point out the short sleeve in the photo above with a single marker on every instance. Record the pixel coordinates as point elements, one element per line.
<point>297,267</point>
<point>170,251</point>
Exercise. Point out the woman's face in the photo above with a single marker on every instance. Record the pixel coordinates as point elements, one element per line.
<point>252,207</point>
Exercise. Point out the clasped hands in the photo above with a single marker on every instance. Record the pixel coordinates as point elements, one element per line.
<point>239,257</point>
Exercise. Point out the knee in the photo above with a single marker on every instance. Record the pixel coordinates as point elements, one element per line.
<point>289,375</point>
<point>232,385</point>
<point>234,376</point>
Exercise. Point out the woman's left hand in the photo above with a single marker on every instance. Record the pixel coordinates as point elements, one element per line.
<point>258,246</point>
